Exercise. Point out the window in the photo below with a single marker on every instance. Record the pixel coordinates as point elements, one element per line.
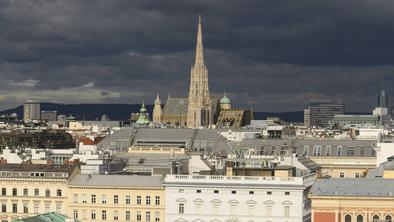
<point>139,216</point>
<point>198,207</point>
<point>306,148</point>
<point>116,215</point>
<point>339,151</point>
<point>198,191</point>
<point>269,193</point>
<point>147,200</point>
<point>93,198</point>
<point>76,214</point>
<point>127,199</point>
<point>138,200</point>
<point>233,209</point>
<point>47,193</point>
<point>3,191</point>
<point>341,174</point>
<point>350,152</point>
<point>317,150</point>
<point>361,154</point>
<point>251,192</point>
<point>25,208</point>
<point>25,192</point>
<point>3,208</point>
<point>181,208</point>
<point>157,200</point>
<point>84,198</point>
<point>103,215</point>
<point>357,175</point>
<point>75,198</point>
<point>388,218</point>
<point>215,208</point>
<point>93,214</point>
<point>287,211</point>
<point>147,216</point>
<point>268,211</point>
<point>157,216</point>
<point>127,215</point>
<point>14,192</point>
<point>59,193</point>
<point>251,209</point>
<point>36,207</point>
<point>375,218</point>
<point>116,199</point>
<point>103,199</point>
<point>233,192</point>
<point>216,191</point>
<point>47,207</point>
<point>287,193</point>
<point>360,218</point>
<point>348,218</point>
<point>84,214</point>
<point>181,190</point>
<point>58,207</point>
<point>328,150</point>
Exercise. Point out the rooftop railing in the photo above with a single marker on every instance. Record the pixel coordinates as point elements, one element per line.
<point>306,180</point>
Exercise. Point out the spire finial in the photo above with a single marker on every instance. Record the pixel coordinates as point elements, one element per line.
<point>199,47</point>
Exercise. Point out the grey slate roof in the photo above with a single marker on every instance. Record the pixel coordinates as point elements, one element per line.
<point>116,180</point>
<point>176,106</point>
<point>362,187</point>
<point>119,140</point>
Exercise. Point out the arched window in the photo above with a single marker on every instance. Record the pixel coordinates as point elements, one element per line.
<point>348,218</point>
<point>360,218</point>
<point>388,218</point>
<point>375,218</point>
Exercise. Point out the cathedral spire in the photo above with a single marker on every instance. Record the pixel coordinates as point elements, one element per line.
<point>199,48</point>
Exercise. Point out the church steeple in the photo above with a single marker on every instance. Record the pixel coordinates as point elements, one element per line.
<point>199,102</point>
<point>199,47</point>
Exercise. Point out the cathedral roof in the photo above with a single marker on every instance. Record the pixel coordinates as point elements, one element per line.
<point>176,106</point>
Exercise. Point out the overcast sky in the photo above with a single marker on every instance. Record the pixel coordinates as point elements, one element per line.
<point>269,54</point>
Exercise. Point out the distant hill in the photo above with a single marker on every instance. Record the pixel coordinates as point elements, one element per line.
<point>123,111</point>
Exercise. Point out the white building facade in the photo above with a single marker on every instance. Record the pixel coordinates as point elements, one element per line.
<point>245,199</point>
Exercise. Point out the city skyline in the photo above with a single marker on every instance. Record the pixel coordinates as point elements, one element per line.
<point>270,55</point>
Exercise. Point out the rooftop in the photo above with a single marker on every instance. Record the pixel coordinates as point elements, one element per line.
<point>116,180</point>
<point>48,217</point>
<point>360,187</point>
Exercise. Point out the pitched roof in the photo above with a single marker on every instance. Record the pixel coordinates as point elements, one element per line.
<point>48,217</point>
<point>361,187</point>
<point>86,141</point>
<point>116,180</point>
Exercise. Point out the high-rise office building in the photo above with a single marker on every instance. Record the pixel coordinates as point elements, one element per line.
<point>48,115</point>
<point>31,110</point>
<point>322,111</point>
<point>383,100</point>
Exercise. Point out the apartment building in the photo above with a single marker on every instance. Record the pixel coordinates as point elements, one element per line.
<point>116,198</point>
<point>31,189</point>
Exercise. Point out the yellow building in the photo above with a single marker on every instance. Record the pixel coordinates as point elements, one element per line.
<point>31,189</point>
<point>345,166</point>
<point>352,200</point>
<point>116,198</point>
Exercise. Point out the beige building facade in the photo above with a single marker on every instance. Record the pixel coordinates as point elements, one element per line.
<point>116,198</point>
<point>31,189</point>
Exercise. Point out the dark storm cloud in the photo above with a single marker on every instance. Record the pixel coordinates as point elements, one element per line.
<point>272,55</point>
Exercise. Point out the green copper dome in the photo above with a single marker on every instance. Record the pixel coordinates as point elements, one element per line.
<point>143,109</point>
<point>225,100</point>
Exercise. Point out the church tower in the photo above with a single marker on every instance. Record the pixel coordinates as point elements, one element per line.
<point>199,111</point>
<point>157,111</point>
